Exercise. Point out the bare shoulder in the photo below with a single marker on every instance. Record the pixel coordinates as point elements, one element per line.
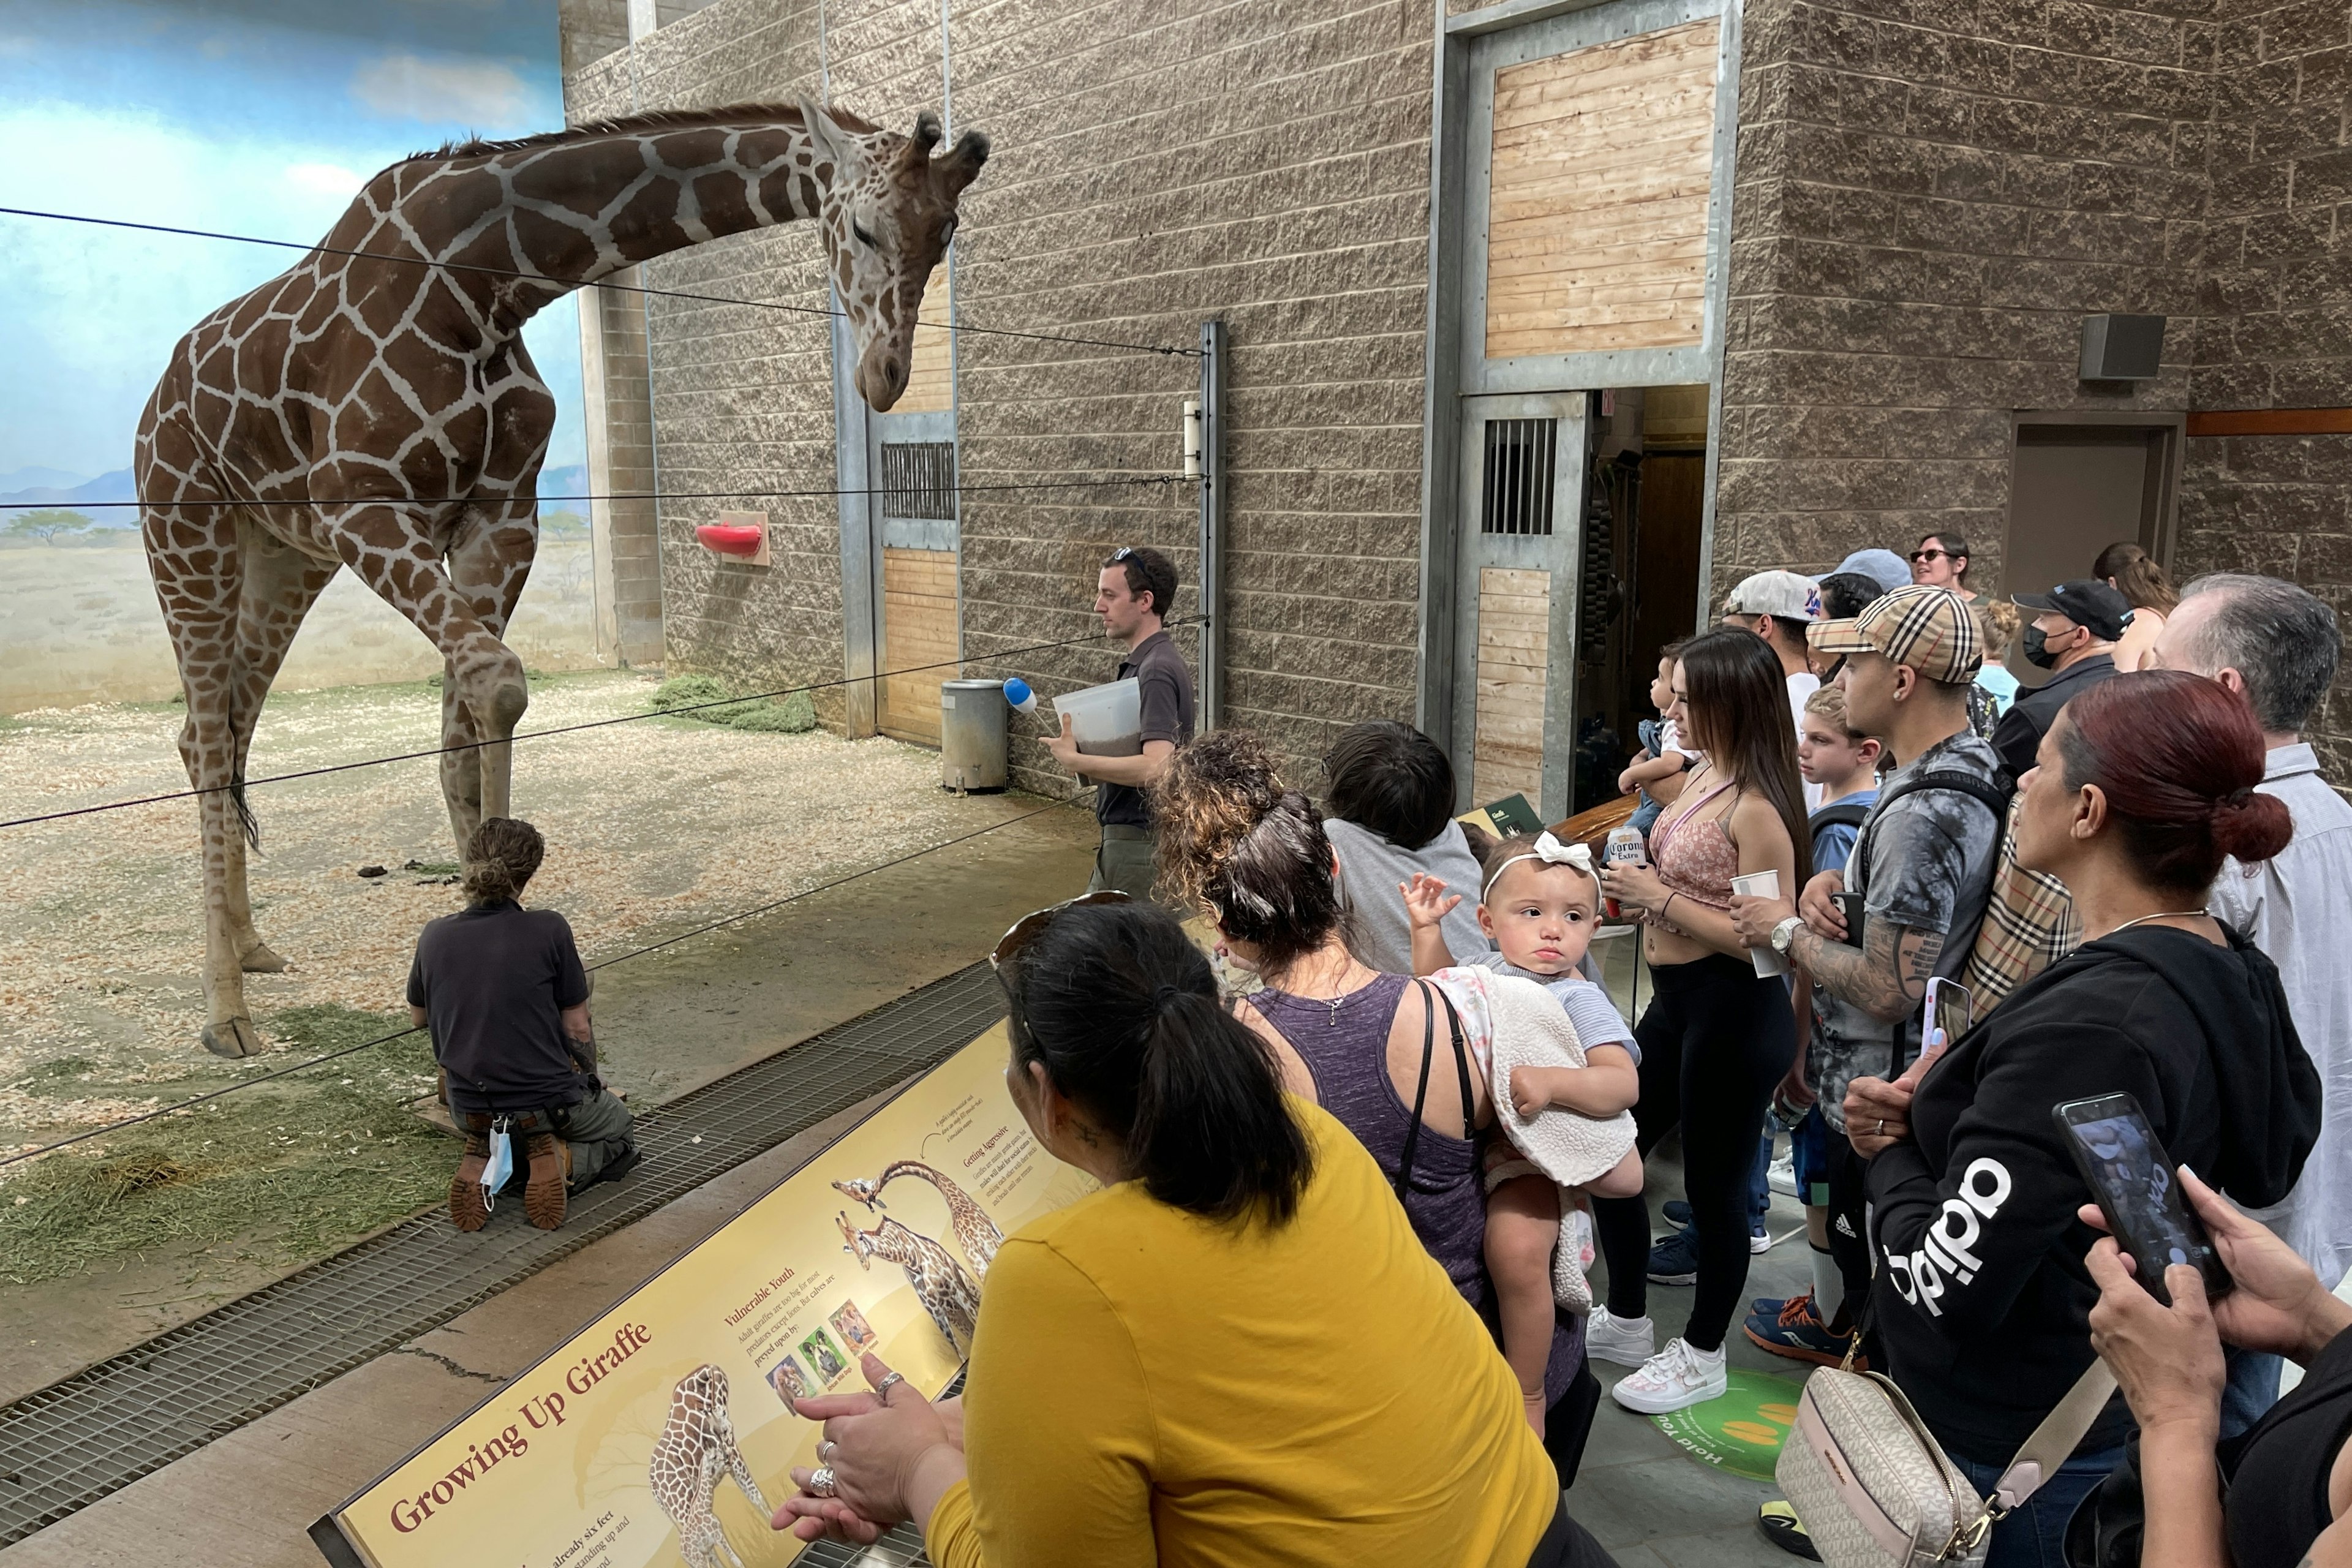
<point>1752,813</point>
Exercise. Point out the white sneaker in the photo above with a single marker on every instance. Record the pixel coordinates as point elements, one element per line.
<point>1781,1177</point>
<point>1759,1242</point>
<point>1628,1341</point>
<point>1675,1379</point>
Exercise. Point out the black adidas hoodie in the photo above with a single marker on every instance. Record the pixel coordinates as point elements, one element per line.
<point>1982,1303</point>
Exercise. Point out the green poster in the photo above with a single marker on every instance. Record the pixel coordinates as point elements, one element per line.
<point>1741,1431</point>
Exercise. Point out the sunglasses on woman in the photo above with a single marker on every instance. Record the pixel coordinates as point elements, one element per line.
<point>1920,557</point>
<point>1031,926</point>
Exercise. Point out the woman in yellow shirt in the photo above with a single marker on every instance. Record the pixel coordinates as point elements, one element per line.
<point>1236,1351</point>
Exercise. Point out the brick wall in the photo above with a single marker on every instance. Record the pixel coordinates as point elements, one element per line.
<point>2277,332</point>
<point>741,397</point>
<point>1930,195</point>
<point>1157,165</point>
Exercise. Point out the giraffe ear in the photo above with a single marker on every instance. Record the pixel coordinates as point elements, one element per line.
<point>961,166</point>
<point>834,145</point>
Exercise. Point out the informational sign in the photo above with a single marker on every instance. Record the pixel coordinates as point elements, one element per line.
<point>661,1435</point>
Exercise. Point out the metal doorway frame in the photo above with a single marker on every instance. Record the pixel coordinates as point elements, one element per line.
<point>1469,46</point>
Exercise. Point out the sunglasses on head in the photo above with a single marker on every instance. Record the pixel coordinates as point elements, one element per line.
<point>1121,553</point>
<point>1031,926</point>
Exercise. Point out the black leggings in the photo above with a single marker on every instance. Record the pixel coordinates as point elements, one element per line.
<point>1715,1039</point>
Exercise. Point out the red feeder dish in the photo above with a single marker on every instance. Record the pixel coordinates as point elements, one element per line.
<point>742,534</point>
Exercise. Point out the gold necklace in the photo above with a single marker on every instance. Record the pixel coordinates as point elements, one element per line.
<point>2163,915</point>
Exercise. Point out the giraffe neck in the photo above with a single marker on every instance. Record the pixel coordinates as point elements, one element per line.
<point>580,210</point>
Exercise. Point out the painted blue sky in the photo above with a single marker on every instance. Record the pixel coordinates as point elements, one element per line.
<point>258,117</point>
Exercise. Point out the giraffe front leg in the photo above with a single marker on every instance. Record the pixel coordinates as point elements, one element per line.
<point>229,1026</point>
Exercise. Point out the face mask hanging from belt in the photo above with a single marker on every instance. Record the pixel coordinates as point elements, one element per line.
<point>500,1170</point>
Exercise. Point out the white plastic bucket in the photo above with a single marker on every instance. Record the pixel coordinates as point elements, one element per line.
<point>1107,720</point>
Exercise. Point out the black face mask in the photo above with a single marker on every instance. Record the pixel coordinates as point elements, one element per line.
<point>2037,649</point>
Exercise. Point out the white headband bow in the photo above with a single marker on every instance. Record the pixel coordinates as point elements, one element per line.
<point>1551,852</point>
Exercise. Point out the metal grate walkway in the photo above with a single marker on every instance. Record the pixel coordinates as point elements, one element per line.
<point>72,1442</point>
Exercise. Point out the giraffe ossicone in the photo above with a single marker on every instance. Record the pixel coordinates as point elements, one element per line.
<point>379,411</point>
<point>975,1232</point>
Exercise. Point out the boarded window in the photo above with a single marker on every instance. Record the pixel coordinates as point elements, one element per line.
<point>931,377</point>
<point>1514,655</point>
<point>1517,495</point>
<point>1596,234</point>
<point>919,480</point>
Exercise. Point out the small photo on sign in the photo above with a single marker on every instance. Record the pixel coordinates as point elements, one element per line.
<point>824,1357</point>
<point>855,1330</point>
<point>789,1381</point>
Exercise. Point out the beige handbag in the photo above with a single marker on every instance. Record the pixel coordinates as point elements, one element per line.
<point>1874,1488</point>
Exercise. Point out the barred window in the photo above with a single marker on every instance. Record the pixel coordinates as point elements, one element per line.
<point>919,480</point>
<point>1517,493</point>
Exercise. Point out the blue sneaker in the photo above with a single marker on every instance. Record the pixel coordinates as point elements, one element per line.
<point>1675,1260</point>
<point>1678,1213</point>
<point>1798,1333</point>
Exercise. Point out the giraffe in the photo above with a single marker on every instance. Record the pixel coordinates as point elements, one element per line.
<point>948,1294</point>
<point>388,415</point>
<point>975,1232</point>
<point>696,1446</point>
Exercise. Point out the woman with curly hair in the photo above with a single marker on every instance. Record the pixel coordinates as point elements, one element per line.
<point>1372,1049</point>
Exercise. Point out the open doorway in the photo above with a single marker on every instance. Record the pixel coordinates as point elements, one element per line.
<point>2078,483</point>
<point>1648,498</point>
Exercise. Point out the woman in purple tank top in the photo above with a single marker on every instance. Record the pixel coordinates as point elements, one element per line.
<point>1255,857</point>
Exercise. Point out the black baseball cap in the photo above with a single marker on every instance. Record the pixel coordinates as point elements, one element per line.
<point>2086,602</point>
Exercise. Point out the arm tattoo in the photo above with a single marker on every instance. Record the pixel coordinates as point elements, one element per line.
<point>1886,976</point>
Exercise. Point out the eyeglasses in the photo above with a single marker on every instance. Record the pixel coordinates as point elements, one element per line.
<point>1920,557</point>
<point>1031,926</point>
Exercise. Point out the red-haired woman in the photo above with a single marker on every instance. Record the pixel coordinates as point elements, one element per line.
<point>1983,1298</point>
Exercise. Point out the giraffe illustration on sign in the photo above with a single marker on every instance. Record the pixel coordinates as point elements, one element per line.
<point>697,1446</point>
<point>948,1293</point>
<point>975,1232</point>
<point>379,411</point>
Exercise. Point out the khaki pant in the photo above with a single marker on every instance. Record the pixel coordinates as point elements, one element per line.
<point>598,1128</point>
<point>1124,861</point>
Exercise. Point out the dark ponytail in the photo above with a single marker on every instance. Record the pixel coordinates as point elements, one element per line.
<point>1123,1011</point>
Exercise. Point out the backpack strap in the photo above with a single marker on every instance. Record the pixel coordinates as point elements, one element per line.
<point>1843,814</point>
<point>1992,796</point>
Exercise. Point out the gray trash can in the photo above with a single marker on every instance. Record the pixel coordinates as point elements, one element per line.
<point>973,719</point>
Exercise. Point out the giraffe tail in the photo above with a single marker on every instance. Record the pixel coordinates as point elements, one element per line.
<point>246,820</point>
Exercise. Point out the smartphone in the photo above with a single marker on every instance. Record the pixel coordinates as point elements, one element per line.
<point>2138,1190</point>
<point>1850,906</point>
<point>1950,1009</point>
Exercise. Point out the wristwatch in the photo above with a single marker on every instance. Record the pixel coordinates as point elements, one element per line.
<point>1785,932</point>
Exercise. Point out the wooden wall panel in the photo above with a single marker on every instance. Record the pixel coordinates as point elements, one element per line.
<point>930,380</point>
<point>1514,652</point>
<point>919,627</point>
<point>1596,231</point>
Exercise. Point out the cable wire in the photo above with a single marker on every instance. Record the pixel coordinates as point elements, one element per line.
<point>564,729</point>
<point>325,249</point>
<point>617,495</point>
<point>337,1055</point>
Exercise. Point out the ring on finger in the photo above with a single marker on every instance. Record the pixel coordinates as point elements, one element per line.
<point>882,1389</point>
<point>825,1450</point>
<point>822,1482</point>
<point>1881,1126</point>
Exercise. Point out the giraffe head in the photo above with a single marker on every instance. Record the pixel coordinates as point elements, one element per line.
<point>863,1190</point>
<point>887,214</point>
<point>858,1244</point>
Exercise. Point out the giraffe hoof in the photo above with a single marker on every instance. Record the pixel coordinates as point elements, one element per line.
<point>234,1038</point>
<point>261,959</point>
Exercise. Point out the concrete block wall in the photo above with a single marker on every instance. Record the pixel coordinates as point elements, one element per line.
<point>628,537</point>
<point>2277,328</point>
<point>1158,164</point>
<point>741,394</point>
<point>1930,195</point>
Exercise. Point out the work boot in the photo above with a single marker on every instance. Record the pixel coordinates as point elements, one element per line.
<point>469,1204</point>
<point>551,1172</point>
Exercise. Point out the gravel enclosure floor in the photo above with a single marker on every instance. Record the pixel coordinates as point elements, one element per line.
<point>652,828</point>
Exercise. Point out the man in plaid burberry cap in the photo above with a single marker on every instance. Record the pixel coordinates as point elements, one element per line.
<point>1923,867</point>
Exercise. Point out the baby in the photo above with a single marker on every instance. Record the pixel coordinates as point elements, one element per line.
<point>1540,906</point>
